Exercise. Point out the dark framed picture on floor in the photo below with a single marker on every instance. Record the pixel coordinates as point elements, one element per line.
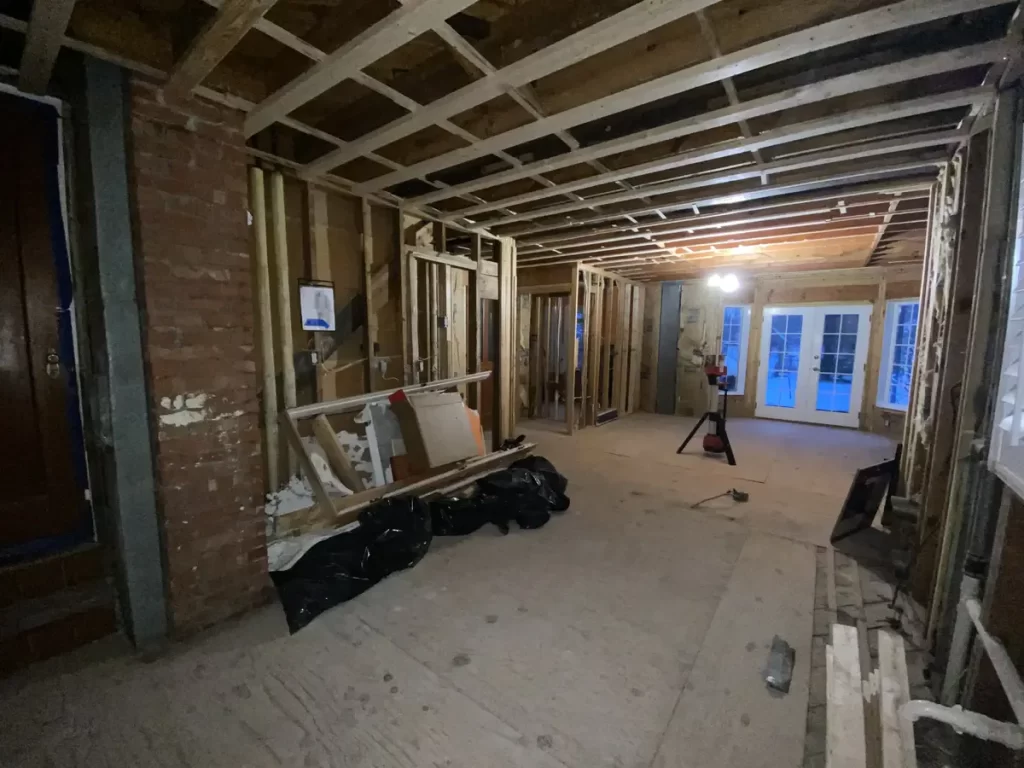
<point>871,487</point>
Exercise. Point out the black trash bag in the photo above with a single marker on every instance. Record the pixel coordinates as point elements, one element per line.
<point>527,492</point>
<point>393,535</point>
<point>461,517</point>
<point>558,483</point>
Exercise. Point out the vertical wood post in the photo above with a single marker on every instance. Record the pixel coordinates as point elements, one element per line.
<point>571,352</point>
<point>370,325</point>
<point>258,205</point>
<point>473,320</point>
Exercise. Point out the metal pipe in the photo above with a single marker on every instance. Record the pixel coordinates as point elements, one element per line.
<point>965,721</point>
<point>258,206</point>
<point>960,645</point>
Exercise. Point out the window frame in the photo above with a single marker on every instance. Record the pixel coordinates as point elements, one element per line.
<point>889,331</point>
<point>741,375</point>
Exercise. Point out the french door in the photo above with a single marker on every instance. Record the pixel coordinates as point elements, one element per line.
<point>812,363</point>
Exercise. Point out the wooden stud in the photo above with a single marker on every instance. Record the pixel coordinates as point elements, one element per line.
<point>46,25</point>
<point>414,319</point>
<point>231,22</point>
<point>961,350</point>
<point>898,749</point>
<point>845,745</point>
<point>370,326</point>
<point>572,353</point>
<point>291,431</point>
<point>841,30</point>
<point>282,284</point>
<point>258,206</point>
<point>473,320</point>
<point>644,16</point>
<point>796,97</point>
<point>389,33</point>
<point>335,454</point>
<point>320,263</point>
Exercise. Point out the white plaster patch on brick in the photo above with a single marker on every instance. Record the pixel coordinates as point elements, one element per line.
<point>191,408</point>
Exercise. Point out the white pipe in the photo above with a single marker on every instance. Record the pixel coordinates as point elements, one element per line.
<point>1001,662</point>
<point>963,721</point>
<point>960,645</point>
<point>258,206</point>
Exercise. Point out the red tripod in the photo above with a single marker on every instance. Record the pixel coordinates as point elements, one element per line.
<point>717,439</point>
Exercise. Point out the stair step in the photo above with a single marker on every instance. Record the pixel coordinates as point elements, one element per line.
<point>52,606</point>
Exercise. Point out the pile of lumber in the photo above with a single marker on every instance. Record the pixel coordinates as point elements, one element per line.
<point>864,726</point>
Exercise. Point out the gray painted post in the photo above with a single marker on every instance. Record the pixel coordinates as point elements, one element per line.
<point>134,513</point>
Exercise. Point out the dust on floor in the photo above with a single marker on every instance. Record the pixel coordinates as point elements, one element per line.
<point>631,631</point>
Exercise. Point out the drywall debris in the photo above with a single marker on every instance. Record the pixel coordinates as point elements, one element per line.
<point>778,673</point>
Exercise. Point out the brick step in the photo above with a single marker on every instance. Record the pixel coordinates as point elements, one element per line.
<point>52,606</point>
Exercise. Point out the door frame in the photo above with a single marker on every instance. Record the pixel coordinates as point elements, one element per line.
<point>804,409</point>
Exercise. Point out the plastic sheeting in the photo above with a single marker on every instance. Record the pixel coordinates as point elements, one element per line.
<point>396,533</point>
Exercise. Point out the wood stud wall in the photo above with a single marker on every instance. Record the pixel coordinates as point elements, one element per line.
<point>612,333</point>
<point>437,296</point>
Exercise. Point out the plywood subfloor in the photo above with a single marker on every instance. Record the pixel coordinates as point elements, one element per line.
<point>631,631</point>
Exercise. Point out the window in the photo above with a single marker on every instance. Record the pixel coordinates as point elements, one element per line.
<point>898,354</point>
<point>735,330</point>
<point>1006,453</point>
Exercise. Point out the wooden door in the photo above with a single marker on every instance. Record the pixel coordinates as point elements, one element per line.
<point>38,493</point>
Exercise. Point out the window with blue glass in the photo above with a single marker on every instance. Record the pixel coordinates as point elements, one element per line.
<point>735,330</point>
<point>898,354</point>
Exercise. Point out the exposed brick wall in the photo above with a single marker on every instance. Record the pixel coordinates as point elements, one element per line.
<point>188,178</point>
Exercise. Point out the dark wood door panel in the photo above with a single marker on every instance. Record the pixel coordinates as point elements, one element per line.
<point>38,493</point>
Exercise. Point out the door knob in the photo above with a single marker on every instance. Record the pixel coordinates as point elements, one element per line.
<point>52,363</point>
<point>815,369</point>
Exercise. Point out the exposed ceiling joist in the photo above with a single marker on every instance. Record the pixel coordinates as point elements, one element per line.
<point>869,220</point>
<point>714,223</point>
<point>890,74</point>
<point>231,22</point>
<point>813,160</point>
<point>926,168</point>
<point>784,135</point>
<point>896,16</point>
<point>881,230</point>
<point>46,28</point>
<point>625,25</point>
<point>394,31</point>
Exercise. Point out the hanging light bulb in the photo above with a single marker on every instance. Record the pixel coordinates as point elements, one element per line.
<point>715,281</point>
<point>730,283</point>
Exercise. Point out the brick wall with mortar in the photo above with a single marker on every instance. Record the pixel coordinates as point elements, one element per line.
<point>188,178</point>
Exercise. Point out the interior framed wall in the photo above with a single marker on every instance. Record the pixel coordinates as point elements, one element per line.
<point>588,321</point>
<point>416,301</point>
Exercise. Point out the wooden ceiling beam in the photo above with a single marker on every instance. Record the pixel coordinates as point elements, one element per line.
<point>754,239</point>
<point>722,226</point>
<point>776,137</point>
<point>760,211</point>
<point>46,26</point>
<point>231,22</point>
<point>636,20</point>
<point>917,167</point>
<point>394,31</point>
<point>814,160</point>
<point>898,15</point>
<point>875,77</point>
<point>869,220</point>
